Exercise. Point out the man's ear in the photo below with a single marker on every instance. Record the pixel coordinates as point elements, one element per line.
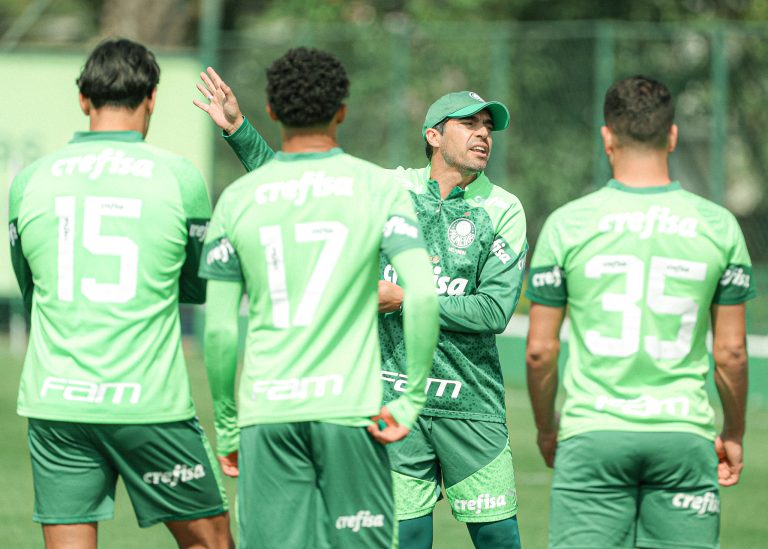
<point>341,114</point>
<point>151,102</point>
<point>434,137</point>
<point>609,140</point>
<point>85,105</point>
<point>672,138</point>
<point>272,115</point>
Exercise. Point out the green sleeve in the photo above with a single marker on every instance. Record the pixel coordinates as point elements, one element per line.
<point>736,284</point>
<point>249,146</point>
<point>219,260</point>
<point>420,331</point>
<point>197,210</point>
<point>402,230</point>
<point>18,260</point>
<point>489,309</point>
<point>221,339</point>
<point>546,281</point>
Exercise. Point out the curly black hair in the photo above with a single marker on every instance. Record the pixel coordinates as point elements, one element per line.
<point>639,110</point>
<point>306,87</point>
<point>120,73</point>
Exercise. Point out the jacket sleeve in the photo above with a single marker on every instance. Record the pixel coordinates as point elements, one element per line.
<point>249,147</point>
<point>489,309</point>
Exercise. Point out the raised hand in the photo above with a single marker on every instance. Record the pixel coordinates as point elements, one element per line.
<point>222,104</point>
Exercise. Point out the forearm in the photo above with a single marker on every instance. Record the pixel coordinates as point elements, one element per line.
<point>731,381</point>
<point>488,310</point>
<point>729,352</point>
<point>249,146</point>
<point>420,329</point>
<point>477,314</point>
<point>541,354</point>
<point>221,340</point>
<point>542,389</point>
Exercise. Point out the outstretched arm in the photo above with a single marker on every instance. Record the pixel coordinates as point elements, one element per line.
<point>541,354</point>
<point>729,351</point>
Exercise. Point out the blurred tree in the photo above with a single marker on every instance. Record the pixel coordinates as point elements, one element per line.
<point>156,22</point>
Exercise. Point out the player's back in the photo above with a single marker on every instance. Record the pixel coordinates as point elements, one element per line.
<point>642,268</point>
<point>104,224</point>
<point>307,230</point>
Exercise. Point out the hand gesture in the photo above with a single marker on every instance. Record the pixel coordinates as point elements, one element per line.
<point>222,104</point>
<point>229,464</point>
<point>392,431</point>
<point>729,455</point>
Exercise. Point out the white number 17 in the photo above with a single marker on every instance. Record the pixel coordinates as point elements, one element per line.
<point>334,234</point>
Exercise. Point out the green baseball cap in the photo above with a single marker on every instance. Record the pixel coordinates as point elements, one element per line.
<point>462,104</point>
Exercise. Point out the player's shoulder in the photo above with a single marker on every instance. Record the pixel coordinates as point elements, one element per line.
<point>711,211</point>
<point>31,169</point>
<point>38,169</point>
<point>577,208</point>
<point>411,179</point>
<point>491,196</point>
<point>174,161</point>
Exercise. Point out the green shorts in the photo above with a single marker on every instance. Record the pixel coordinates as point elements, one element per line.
<point>168,470</point>
<point>313,485</point>
<point>473,460</point>
<point>629,489</point>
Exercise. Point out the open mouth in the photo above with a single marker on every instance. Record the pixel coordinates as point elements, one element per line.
<point>480,150</point>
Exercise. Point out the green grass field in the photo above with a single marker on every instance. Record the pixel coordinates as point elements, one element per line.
<point>744,523</point>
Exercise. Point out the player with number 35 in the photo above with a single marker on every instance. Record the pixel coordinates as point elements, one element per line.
<point>642,265</point>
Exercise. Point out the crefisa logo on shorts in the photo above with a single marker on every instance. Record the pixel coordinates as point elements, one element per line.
<point>707,503</point>
<point>180,473</point>
<point>363,519</point>
<point>483,501</point>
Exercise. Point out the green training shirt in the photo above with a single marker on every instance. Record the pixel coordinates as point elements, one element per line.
<point>639,269</point>
<point>106,235</point>
<point>476,240</point>
<point>302,234</point>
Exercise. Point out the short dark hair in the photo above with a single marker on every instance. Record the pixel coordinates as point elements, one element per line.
<point>429,149</point>
<point>119,73</point>
<point>306,87</point>
<point>639,110</point>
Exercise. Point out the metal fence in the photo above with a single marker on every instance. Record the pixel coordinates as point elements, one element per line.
<point>553,77</point>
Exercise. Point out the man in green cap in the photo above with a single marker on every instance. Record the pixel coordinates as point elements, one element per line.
<point>475,234</point>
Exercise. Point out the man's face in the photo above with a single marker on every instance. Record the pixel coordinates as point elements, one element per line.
<point>466,142</point>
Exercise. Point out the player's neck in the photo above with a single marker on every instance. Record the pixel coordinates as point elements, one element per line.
<point>308,140</point>
<point>448,177</point>
<point>116,119</point>
<point>641,168</point>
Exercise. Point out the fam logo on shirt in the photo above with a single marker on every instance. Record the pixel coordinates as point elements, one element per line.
<point>461,233</point>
